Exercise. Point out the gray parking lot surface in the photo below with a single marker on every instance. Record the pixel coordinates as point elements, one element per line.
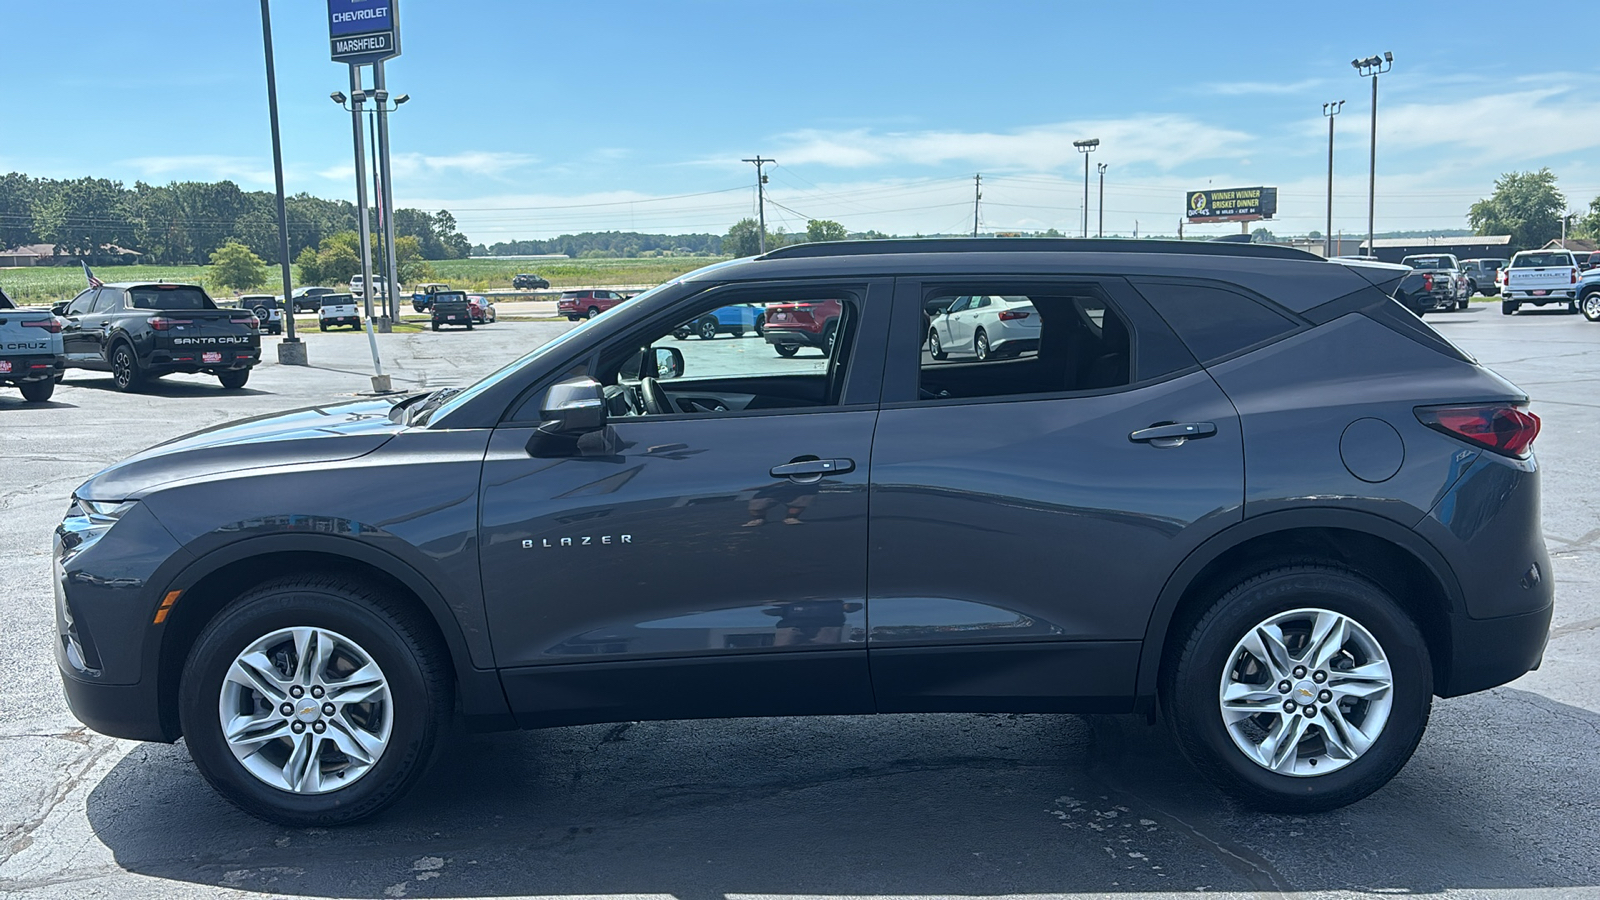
<point>1500,800</point>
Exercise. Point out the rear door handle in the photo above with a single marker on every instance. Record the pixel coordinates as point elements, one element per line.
<point>1172,434</point>
<point>808,470</point>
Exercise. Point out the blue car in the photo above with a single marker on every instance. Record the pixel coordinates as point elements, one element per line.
<point>738,320</point>
<point>1588,295</point>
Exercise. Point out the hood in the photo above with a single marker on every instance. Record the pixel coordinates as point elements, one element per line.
<point>319,434</point>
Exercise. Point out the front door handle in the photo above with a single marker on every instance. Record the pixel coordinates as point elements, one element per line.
<point>810,470</point>
<point>1172,434</point>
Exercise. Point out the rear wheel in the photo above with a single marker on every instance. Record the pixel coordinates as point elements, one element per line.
<point>314,701</point>
<point>935,349</point>
<point>786,350</point>
<point>1302,690</point>
<point>125,373</point>
<point>706,328</point>
<point>761,326</point>
<point>1508,307</point>
<point>435,326</point>
<point>980,345</point>
<point>38,391</point>
<point>233,379</point>
<point>594,311</point>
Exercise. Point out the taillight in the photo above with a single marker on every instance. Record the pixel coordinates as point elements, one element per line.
<point>1500,427</point>
<point>163,323</point>
<point>50,325</point>
<point>1427,282</point>
<point>252,321</point>
<point>1011,314</point>
<point>1574,276</point>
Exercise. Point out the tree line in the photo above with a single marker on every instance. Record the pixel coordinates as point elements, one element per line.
<point>184,222</point>
<point>1529,207</point>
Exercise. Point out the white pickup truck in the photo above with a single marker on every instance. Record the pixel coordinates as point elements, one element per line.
<point>1538,277</point>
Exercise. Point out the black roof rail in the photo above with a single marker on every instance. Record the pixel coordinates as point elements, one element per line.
<point>1034,245</point>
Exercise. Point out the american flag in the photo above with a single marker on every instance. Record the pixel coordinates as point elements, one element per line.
<point>93,281</point>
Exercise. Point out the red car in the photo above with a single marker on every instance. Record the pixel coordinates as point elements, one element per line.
<point>482,310</point>
<point>803,323</point>
<point>577,305</point>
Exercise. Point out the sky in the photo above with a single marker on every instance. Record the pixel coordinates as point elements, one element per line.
<point>529,119</point>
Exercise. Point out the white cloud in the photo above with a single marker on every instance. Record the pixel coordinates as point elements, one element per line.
<point>1165,141</point>
<point>201,167</point>
<point>480,163</point>
<point>1516,126</point>
<point>1245,88</point>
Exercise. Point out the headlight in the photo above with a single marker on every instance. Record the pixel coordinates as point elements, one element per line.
<point>86,522</point>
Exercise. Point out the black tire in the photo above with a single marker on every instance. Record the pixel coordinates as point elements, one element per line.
<point>761,325</point>
<point>1200,655</point>
<point>38,391</point>
<point>321,327</point>
<point>681,332</point>
<point>1509,307</point>
<point>737,332</point>
<point>233,379</point>
<point>706,328</point>
<point>469,324</point>
<point>1572,305</point>
<point>126,375</point>
<point>936,349</point>
<point>435,325</point>
<point>398,639</point>
<point>1589,305</point>
<point>786,350</point>
<point>980,345</point>
<point>593,311</point>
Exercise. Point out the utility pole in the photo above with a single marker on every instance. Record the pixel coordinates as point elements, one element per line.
<point>1100,231</point>
<point>977,194</point>
<point>1372,67</point>
<point>1330,110</point>
<point>1086,147</point>
<point>761,197</point>
<point>291,352</point>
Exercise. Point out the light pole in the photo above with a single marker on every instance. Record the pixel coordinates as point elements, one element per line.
<point>1086,147</point>
<point>761,198</point>
<point>1100,232</point>
<point>380,381</point>
<point>391,302</point>
<point>291,351</point>
<point>1372,67</point>
<point>1330,110</point>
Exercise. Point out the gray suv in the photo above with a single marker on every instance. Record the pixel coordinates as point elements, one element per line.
<point>1237,486</point>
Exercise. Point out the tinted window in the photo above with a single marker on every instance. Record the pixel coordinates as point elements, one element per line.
<point>1212,321</point>
<point>1534,260</point>
<point>81,303</point>
<point>107,299</point>
<point>995,345</point>
<point>168,298</point>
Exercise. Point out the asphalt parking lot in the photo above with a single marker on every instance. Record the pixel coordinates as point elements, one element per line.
<point>1501,799</point>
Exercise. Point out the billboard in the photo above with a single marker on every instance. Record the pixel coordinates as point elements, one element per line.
<point>363,31</point>
<point>1231,204</point>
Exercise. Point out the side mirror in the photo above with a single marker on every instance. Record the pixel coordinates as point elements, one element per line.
<point>574,406</point>
<point>60,309</point>
<point>669,362</point>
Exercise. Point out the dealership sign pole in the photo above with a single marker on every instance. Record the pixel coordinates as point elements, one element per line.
<point>365,32</point>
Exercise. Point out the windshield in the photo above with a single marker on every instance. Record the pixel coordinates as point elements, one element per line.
<point>168,297</point>
<point>1535,260</point>
<point>442,414</point>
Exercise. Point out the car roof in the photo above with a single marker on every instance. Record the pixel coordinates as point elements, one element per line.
<point>1293,278</point>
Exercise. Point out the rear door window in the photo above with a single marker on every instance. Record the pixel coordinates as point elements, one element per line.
<point>168,298</point>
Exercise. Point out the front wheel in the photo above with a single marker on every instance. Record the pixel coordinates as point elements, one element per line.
<point>706,328</point>
<point>314,700</point>
<point>980,345</point>
<point>1589,305</point>
<point>1301,690</point>
<point>233,379</point>
<point>935,349</point>
<point>38,391</point>
<point>786,350</point>
<point>594,311</point>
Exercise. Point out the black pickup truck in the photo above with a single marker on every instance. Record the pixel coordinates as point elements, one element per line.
<point>452,308</point>
<point>139,331</point>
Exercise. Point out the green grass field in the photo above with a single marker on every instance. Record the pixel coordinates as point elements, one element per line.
<point>56,284</point>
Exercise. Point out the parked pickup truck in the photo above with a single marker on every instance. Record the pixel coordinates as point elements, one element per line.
<point>452,308</point>
<point>30,350</point>
<point>1443,279</point>
<point>139,331</point>
<point>1539,277</point>
<point>1483,275</point>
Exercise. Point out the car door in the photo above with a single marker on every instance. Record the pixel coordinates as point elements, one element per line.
<point>78,345</point>
<point>705,557</point>
<point>946,323</point>
<point>97,324</point>
<point>1026,511</point>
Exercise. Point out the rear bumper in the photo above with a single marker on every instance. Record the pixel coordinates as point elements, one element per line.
<point>1486,653</point>
<point>191,360</point>
<point>794,337</point>
<point>24,369</point>
<point>330,321</point>
<point>1554,295</point>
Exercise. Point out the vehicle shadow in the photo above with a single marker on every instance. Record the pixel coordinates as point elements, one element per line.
<point>15,401</point>
<point>164,387</point>
<point>979,805</point>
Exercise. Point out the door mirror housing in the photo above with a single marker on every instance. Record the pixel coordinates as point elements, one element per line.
<point>60,309</point>
<point>574,406</point>
<point>669,362</point>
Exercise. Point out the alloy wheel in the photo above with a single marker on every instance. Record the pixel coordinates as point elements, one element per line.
<point>1306,692</point>
<point>305,710</point>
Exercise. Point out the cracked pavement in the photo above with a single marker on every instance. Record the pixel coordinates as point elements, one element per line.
<point>1499,801</point>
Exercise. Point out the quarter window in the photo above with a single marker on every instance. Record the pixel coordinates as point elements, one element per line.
<point>995,345</point>
<point>1214,322</point>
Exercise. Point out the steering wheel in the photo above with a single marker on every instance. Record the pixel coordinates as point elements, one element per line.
<point>656,401</point>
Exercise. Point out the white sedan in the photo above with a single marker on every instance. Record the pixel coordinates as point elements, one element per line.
<point>985,327</point>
